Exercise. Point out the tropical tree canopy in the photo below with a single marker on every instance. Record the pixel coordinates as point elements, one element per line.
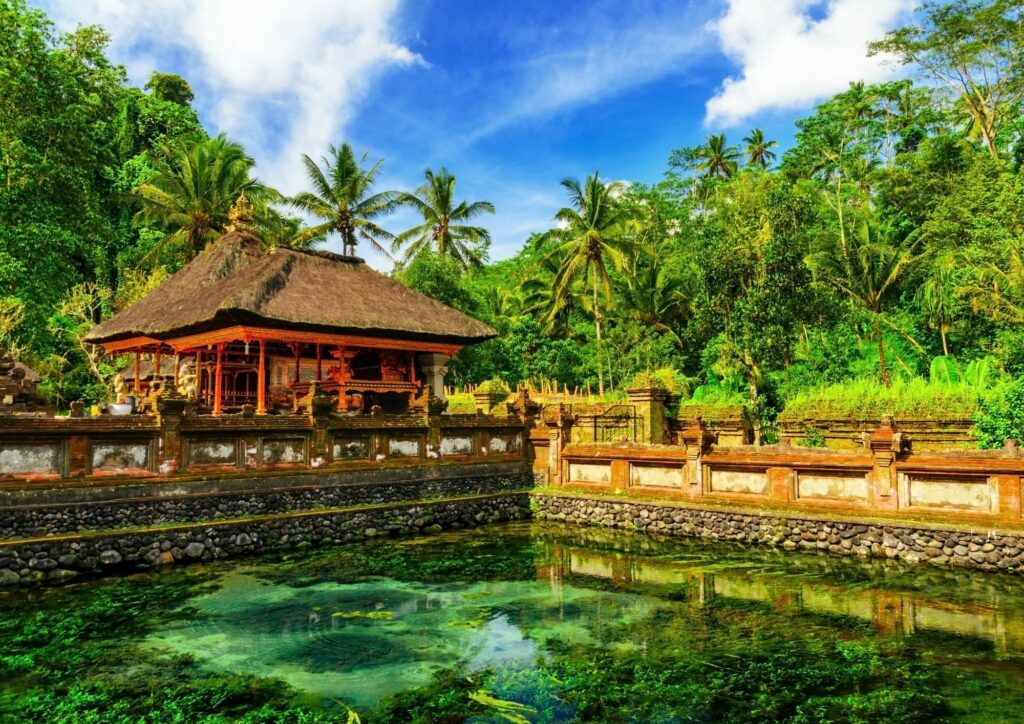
<point>759,149</point>
<point>192,191</point>
<point>343,199</point>
<point>867,267</point>
<point>888,233</point>
<point>717,158</point>
<point>592,237</point>
<point>444,228</point>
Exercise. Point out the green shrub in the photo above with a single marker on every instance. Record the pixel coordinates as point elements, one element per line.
<point>650,381</point>
<point>1001,416</point>
<point>710,412</point>
<point>813,437</point>
<point>495,386</point>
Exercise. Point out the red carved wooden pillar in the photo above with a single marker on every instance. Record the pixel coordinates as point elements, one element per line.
<point>261,381</point>
<point>138,371</point>
<point>319,364</point>
<point>218,381</point>
<point>158,371</point>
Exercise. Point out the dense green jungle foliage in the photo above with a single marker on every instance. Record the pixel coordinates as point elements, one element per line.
<point>889,234</point>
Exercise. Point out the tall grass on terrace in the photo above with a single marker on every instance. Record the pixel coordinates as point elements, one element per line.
<point>865,400</point>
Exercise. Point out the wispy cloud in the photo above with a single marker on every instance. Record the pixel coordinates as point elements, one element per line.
<point>599,56</point>
<point>789,59</point>
<point>282,77</point>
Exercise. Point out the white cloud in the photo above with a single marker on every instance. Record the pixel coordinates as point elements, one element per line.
<point>790,59</point>
<point>283,77</point>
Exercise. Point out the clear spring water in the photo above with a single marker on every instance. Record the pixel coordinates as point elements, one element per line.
<point>552,623</point>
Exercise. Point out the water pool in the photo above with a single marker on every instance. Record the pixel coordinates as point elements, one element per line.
<point>523,622</point>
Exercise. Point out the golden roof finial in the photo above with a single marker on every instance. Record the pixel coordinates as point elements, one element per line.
<point>240,215</point>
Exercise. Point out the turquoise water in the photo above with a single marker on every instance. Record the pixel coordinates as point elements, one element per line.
<point>536,622</point>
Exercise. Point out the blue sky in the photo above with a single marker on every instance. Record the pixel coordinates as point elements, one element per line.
<point>510,96</point>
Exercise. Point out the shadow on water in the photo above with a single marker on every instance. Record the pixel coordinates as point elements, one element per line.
<point>526,622</point>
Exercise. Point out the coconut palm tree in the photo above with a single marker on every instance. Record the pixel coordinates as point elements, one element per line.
<point>342,198</point>
<point>192,191</point>
<point>759,149</point>
<point>717,159</point>
<point>656,299</point>
<point>868,266</point>
<point>444,228</point>
<point>591,237</point>
<point>997,288</point>
<point>539,297</point>
<point>937,298</point>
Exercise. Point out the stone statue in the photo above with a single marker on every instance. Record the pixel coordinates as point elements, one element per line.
<point>120,388</point>
<point>187,381</point>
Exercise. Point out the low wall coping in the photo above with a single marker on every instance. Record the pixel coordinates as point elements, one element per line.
<point>254,482</point>
<point>222,522</point>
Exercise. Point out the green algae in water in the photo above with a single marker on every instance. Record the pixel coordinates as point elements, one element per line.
<point>522,622</point>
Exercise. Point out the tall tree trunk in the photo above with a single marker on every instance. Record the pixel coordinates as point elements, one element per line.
<point>752,375</point>
<point>881,352</point>
<point>945,347</point>
<point>597,326</point>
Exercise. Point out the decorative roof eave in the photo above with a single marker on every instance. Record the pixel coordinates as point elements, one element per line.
<point>245,333</point>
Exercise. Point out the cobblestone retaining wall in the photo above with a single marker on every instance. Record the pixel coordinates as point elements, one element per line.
<point>64,558</point>
<point>940,546</point>
<point>262,497</point>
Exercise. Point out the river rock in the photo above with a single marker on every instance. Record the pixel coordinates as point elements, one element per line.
<point>110,557</point>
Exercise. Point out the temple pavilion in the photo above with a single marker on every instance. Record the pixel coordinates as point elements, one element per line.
<point>251,325</point>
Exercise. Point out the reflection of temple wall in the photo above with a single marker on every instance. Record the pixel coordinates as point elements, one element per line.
<point>820,599</point>
<point>892,612</point>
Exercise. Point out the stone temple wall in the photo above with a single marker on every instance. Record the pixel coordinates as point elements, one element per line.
<point>60,512</point>
<point>60,559</point>
<point>52,534</point>
<point>914,543</point>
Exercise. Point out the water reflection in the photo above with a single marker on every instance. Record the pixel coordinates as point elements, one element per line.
<point>365,622</point>
<point>988,613</point>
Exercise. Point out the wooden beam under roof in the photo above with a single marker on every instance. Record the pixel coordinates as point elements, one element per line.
<point>245,333</point>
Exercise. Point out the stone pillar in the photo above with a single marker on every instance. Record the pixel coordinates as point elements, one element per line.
<point>320,408</point>
<point>490,395</point>
<point>559,433</point>
<point>527,411</point>
<point>434,408</point>
<point>885,444</point>
<point>434,366</point>
<point>649,407</point>
<point>170,408</point>
<point>697,441</point>
<point>78,462</point>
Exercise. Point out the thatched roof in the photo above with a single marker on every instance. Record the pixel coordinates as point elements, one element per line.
<point>238,281</point>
